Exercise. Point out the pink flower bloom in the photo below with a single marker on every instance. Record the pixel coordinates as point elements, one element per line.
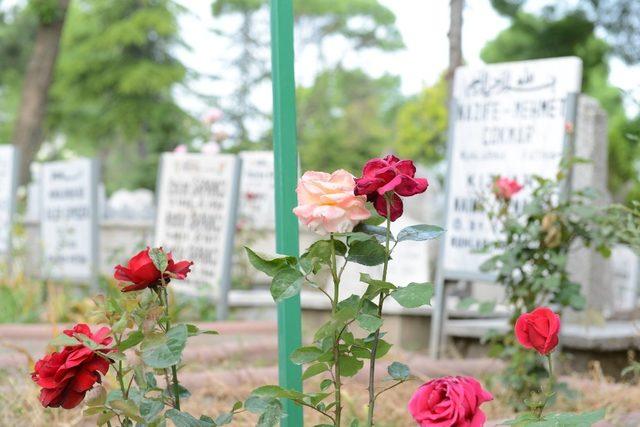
<point>181,149</point>
<point>327,204</point>
<point>212,116</point>
<point>393,176</point>
<point>505,188</point>
<point>210,148</point>
<point>449,402</point>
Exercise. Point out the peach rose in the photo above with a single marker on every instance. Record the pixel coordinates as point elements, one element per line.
<point>327,204</point>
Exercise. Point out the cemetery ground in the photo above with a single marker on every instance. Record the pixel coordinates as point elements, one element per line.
<point>221,369</point>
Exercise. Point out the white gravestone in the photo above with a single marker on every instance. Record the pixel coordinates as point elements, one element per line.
<point>8,181</point>
<point>257,192</point>
<point>197,203</point>
<point>509,120</point>
<point>625,272</point>
<point>69,220</point>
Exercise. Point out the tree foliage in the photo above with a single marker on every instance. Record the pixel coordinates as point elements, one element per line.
<point>345,118</point>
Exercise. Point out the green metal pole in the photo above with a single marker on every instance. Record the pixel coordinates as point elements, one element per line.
<point>286,176</point>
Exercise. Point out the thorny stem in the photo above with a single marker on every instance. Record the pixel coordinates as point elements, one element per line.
<point>164,299</point>
<point>336,341</point>
<point>376,340</point>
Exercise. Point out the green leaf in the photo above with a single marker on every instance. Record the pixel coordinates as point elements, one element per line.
<point>344,314</point>
<point>367,252</point>
<point>313,370</point>
<point>349,365</point>
<point>193,330</point>
<point>183,419</point>
<point>486,307</point>
<point>267,264</point>
<point>305,355</point>
<point>369,322</point>
<point>325,384</point>
<point>224,419</point>
<point>420,233</point>
<point>149,409</point>
<point>375,286</point>
<point>162,351</point>
<point>380,233</point>
<point>159,259</point>
<point>555,420</point>
<point>132,340</point>
<point>63,340</point>
<point>413,295</point>
<point>286,283</point>
<point>271,415</point>
<point>399,371</point>
<point>128,408</point>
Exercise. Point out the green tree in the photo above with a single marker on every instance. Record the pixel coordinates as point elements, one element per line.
<point>421,125</point>
<point>555,33</point>
<point>362,24</point>
<point>113,89</point>
<point>345,118</point>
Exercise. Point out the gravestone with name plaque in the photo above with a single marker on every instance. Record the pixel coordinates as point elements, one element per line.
<point>257,193</point>
<point>8,184</point>
<point>69,220</point>
<point>197,207</point>
<point>506,119</point>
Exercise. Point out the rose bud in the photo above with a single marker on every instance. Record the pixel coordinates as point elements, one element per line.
<point>538,330</point>
<point>389,178</point>
<point>67,375</point>
<point>449,401</point>
<point>142,272</point>
<point>327,204</point>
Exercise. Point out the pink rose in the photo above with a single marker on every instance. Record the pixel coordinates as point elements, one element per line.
<point>449,402</point>
<point>180,149</point>
<point>327,204</point>
<point>389,177</point>
<point>505,188</point>
<point>212,116</point>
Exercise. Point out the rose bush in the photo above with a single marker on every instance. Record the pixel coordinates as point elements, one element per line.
<point>449,402</point>
<point>67,375</point>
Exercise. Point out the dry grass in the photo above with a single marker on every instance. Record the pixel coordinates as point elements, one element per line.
<point>19,405</point>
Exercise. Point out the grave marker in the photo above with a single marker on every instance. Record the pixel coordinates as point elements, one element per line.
<point>625,269</point>
<point>257,200</point>
<point>69,219</point>
<point>8,184</point>
<point>197,207</point>
<point>505,119</point>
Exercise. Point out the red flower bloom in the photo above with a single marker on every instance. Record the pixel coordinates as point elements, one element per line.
<point>538,330</point>
<point>142,272</point>
<point>505,188</point>
<point>66,376</point>
<point>392,177</point>
<point>449,402</point>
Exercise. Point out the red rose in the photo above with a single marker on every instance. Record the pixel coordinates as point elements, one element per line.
<point>142,272</point>
<point>449,402</point>
<point>66,376</point>
<point>505,188</point>
<point>389,176</point>
<point>539,330</point>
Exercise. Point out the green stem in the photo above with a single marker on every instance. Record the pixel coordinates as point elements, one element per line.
<point>376,340</point>
<point>336,339</point>
<point>119,370</point>
<point>174,369</point>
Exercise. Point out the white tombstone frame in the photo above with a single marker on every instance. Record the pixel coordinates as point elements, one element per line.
<point>94,177</point>
<point>439,308</point>
<point>11,210</point>
<point>222,300</point>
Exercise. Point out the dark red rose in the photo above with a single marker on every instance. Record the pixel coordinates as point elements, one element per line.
<point>142,272</point>
<point>67,375</point>
<point>390,177</point>
<point>538,330</point>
